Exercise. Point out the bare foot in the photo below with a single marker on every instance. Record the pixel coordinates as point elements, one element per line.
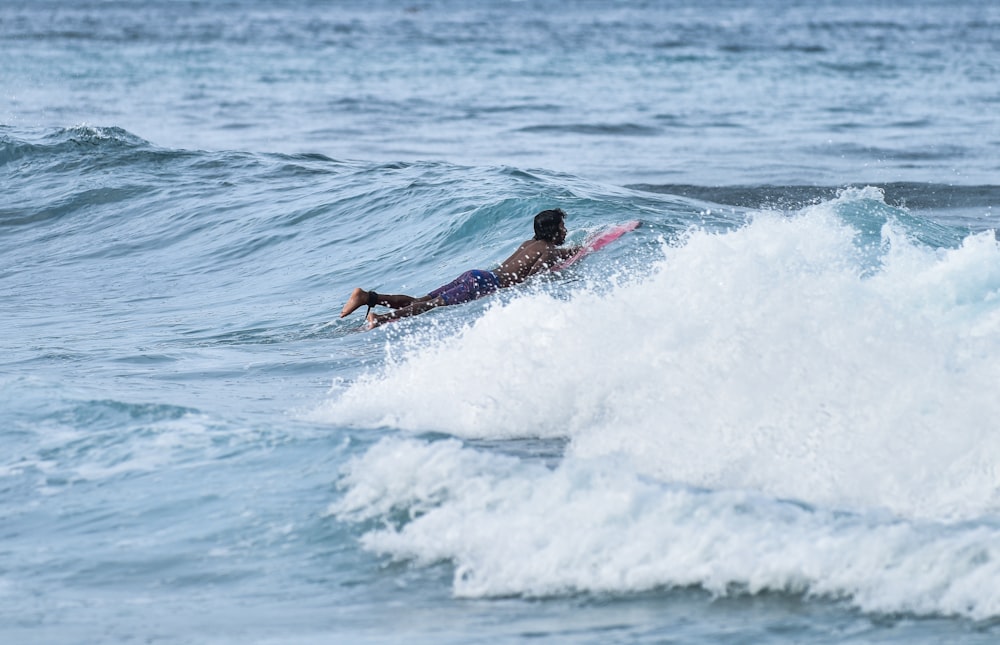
<point>374,320</point>
<point>359,298</point>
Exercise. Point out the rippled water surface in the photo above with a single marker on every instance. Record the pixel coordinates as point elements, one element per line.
<point>764,416</point>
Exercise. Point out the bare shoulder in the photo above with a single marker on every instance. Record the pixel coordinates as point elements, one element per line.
<point>523,262</point>
<point>529,250</point>
<point>533,246</point>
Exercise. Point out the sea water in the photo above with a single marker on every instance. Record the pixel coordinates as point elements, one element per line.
<point>767,415</point>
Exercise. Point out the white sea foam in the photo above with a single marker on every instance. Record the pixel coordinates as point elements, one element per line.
<point>782,361</point>
<point>596,525</point>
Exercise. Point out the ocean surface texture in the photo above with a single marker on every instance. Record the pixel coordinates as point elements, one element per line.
<point>769,415</point>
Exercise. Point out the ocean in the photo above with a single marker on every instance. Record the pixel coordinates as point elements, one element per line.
<point>766,416</point>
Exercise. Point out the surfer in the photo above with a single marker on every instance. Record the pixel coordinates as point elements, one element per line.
<point>537,254</point>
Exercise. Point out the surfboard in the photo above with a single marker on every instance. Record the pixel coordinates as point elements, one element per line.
<point>598,242</point>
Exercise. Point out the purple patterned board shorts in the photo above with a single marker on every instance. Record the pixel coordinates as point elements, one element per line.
<point>468,286</point>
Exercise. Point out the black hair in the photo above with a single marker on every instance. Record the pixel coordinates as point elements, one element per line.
<point>547,224</point>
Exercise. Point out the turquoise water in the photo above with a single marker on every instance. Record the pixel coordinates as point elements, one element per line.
<point>764,416</point>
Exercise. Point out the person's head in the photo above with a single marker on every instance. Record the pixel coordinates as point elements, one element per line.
<point>549,226</point>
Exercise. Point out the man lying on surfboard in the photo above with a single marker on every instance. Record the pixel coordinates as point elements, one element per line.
<point>537,254</point>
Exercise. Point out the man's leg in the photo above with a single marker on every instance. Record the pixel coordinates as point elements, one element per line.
<point>359,298</point>
<point>418,306</point>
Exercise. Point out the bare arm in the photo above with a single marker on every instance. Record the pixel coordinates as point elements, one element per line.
<point>564,253</point>
<point>551,258</point>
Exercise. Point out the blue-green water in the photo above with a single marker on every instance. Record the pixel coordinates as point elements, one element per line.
<point>767,415</point>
